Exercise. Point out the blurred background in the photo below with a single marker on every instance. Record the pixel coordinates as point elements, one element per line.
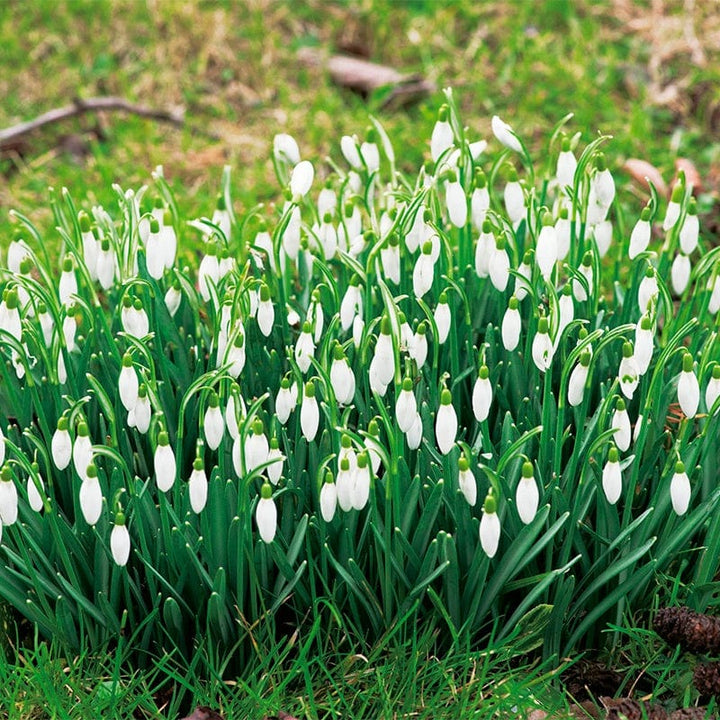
<point>646,72</point>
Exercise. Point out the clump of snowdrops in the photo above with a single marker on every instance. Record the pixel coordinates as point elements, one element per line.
<point>481,393</point>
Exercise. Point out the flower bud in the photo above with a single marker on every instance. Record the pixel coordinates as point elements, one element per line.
<point>490,526</point>
<point>8,497</point>
<point>309,413</point>
<point>511,325</point>
<point>446,423</point>
<point>198,486</point>
<point>482,395</point>
<point>688,388</point>
<point>164,462</point>
<point>120,541</point>
<point>527,496</point>
<point>328,498</point>
<point>612,476</point>
<point>466,482</point>
<point>266,514</point>
<point>680,489</point>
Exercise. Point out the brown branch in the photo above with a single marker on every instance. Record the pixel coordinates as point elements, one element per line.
<point>9,136</point>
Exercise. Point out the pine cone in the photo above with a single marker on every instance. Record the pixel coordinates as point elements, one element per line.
<point>694,631</point>
<point>706,679</point>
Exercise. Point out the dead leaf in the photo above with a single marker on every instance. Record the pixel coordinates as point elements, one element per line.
<point>642,171</point>
<point>692,176</point>
<point>204,713</point>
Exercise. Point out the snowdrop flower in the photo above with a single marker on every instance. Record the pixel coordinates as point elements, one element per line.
<point>345,485</point>
<point>424,272</point>
<point>602,192</point>
<point>586,270</point>
<point>168,239</point>
<point>643,344</point>
<point>514,198</point>
<point>68,286</point>
<point>164,463</point>
<point>648,290</point>
<point>309,413</point>
<point>578,378</point>
<point>542,346</point>
<point>10,320</point>
<point>369,152</point>
<point>256,446</point>
<point>304,348</point>
<point>628,374</point>
<point>466,481</point>
<point>442,318</point>
<point>680,490</point>
<point>301,180</point>
<point>382,366</point>
<point>106,265</point>
<point>82,450</point>
<point>198,486</point>
<point>91,498</point>
<point>482,395</point>
<point>69,327</point>
<point>3,449</point>
<point>285,401</point>
<point>351,304</point>
<point>406,406</point>
<point>291,235</point>
<point>342,377</point>
<point>415,434</point>
<point>712,392</point>
<point>418,349</point>
<point>566,165</point>
<point>446,423</point>
<point>35,486</point>
<point>128,383</point>
<point>285,149</point>
<point>327,237</point>
<point>680,273</point>
<point>276,459</point>
<point>90,245</point>
<point>47,324</point>
<point>265,312</point>
<point>499,264</point>
<point>673,209</point>
<point>236,356</point>
<point>266,514</point>
<point>373,447</point>
<point>361,488</point>
<point>209,271</point>
<point>602,233</point>
<point>8,497</point>
<point>525,276</point>
<point>566,311</point>
<point>154,251</point>
<point>688,388</point>
<point>483,249</point>
<point>173,297</point>
<point>406,334</point>
<point>328,498</point>
<point>511,325</point>
<point>18,250</point>
<point>546,251</point>
<point>61,444</point>
<point>221,218</point>
<point>640,235</point>
<point>390,259</point>
<point>213,424</point>
<point>563,233</point>
<point>490,526</point>
<point>139,416</point>
<point>505,134</point>
<point>456,201</point>
<point>690,229</point>
<point>527,495</point>
<point>442,135</point>
<point>120,541</point>
<point>621,424</point>
<point>479,200</point>
<point>351,152</point>
<point>612,476</point>
<point>714,287</point>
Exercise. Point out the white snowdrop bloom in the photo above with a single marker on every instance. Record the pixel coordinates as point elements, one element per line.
<point>276,460</point>
<point>304,348</point>
<point>361,488</point>
<point>621,424</point>
<point>263,242</point>
<point>511,325</point>
<point>221,218</point>
<point>542,346</point>
<point>712,392</point>
<point>640,235</point>
<point>128,383</point>
<point>442,135</point>
<point>586,270</point>
<point>406,406</point>
<point>342,377</point>
<point>226,263</point>
<point>139,323</point>
<point>285,149</point>
<point>603,184</point>
<point>546,251</point>
<point>106,264</point>
<point>680,490</point>
<point>47,324</point>
<point>415,434</point>
<point>256,446</point>
<point>10,320</point>
<point>164,463</point>
<point>91,498</point>
<point>61,444</point>
<point>466,482</point>
<point>375,377</point>
<point>566,165</point>
<point>35,486</point>
<point>714,287</point>
<point>3,449</point>
<point>18,250</point>
<point>237,457</point>
<point>236,356</point>
<point>69,328</point>
<point>612,476</point>
<point>345,484</point>
<point>418,349</point>
<point>67,287</point>
<point>674,206</point>
<point>643,343</point>
<point>514,198</point>
<point>505,134</point>
<point>483,249</point>
<point>578,378</point>
<point>456,201</point>
<point>628,374</point>
<point>154,251</point>
<point>351,151</point>
<point>370,153</point>
<point>373,447</point>
<point>479,200</point>
<point>8,497</point>
<point>648,290</point>
<point>327,237</point>
<point>443,318</point>
<point>680,273</point>
<point>446,423</point>
<point>328,498</point>
<point>424,271</point>
<point>213,423</point>
<point>120,541</point>
<point>309,413</point>
<point>82,450</point>
<point>347,451</point>
<point>638,427</point>
<point>285,401</point>
<point>602,233</point>
<point>61,369</point>
<point>566,311</point>
<point>173,297</point>
<point>265,312</point>
<point>690,229</point>
<point>477,148</point>
<point>209,271</point>
<point>563,233</point>
<point>266,514</point>
<point>499,264</point>
<point>527,495</point>
<point>490,526</point>
<point>525,276</point>
<point>688,388</point>
<point>142,412</point>
<point>407,338</point>
<point>482,394</point>
<point>417,234</point>
<point>390,259</point>
<point>197,486</point>
<point>291,235</point>
<point>168,239</point>
<point>351,304</point>
<point>301,180</point>
<point>384,357</point>
<point>90,245</point>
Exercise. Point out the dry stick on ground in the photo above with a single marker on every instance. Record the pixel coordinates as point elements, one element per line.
<point>10,136</point>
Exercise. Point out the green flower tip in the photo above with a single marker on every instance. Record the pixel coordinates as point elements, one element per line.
<point>158,203</point>
<point>285,383</point>
<point>68,264</point>
<point>374,430</point>
<point>12,300</point>
<point>198,464</point>
<point>82,429</point>
<point>547,220</point>
<point>163,438</point>
<point>427,247</point>
<point>327,218</point>
<point>84,221</point>
<point>274,444</point>
<point>442,300</point>
<point>221,203</point>
<point>692,206</point>
<point>25,265</point>
<point>543,326</point>
<point>463,464</point>
<point>427,215</point>
<point>583,333</point>
<point>480,179</point>
<point>512,175</point>
<point>500,242</point>
<point>402,318</point>
<point>258,426</point>
<point>613,455</point>
<point>355,280</point>
<point>564,214</point>
<point>362,460</point>
<point>142,390</point>
<point>601,162</point>
<point>679,467</point>
<point>345,464</point>
<point>345,441</point>
<point>443,113</point>
<point>266,491</point>
<point>167,218</point>
<point>264,293</point>
<point>490,504</point>
<point>487,226</point>
<point>585,358</point>
<point>310,389</point>
<point>687,364</point>
<point>349,208</point>
<point>6,473</point>
<point>445,397</point>
<point>385,325</point>
<point>565,145</point>
<point>214,400</point>
<point>120,519</point>
<point>35,467</point>
<point>677,193</point>
<point>587,259</point>
<point>91,471</point>
<point>528,257</point>
<point>716,372</point>
<point>567,290</point>
<point>620,405</point>
<point>394,240</point>
<point>307,327</point>
<point>41,308</point>
<point>338,353</point>
<point>407,384</point>
<point>127,360</point>
<point>649,271</point>
<point>645,214</point>
<point>329,477</point>
<point>127,301</point>
<point>154,225</point>
<point>627,349</point>
<point>105,244</point>
<point>371,135</point>
<point>484,372</point>
<point>422,327</point>
<point>370,237</point>
<point>527,469</point>
<point>513,303</point>
<point>645,322</point>
<point>62,423</point>
<point>239,340</point>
